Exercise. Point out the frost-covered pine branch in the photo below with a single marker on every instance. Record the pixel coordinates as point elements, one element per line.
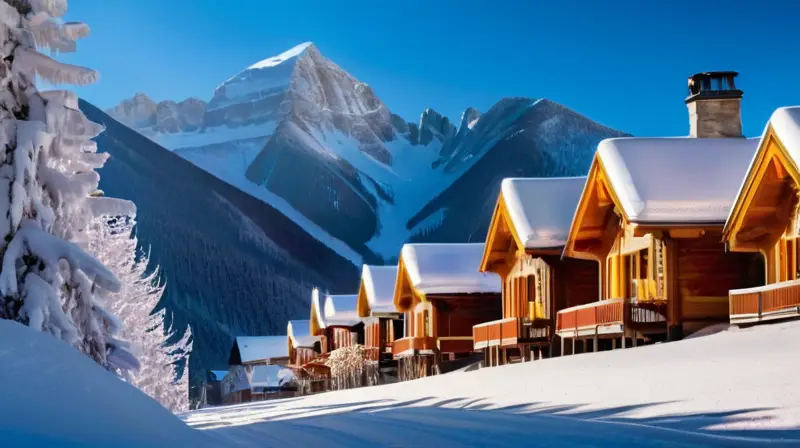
<point>163,373</point>
<point>47,175</point>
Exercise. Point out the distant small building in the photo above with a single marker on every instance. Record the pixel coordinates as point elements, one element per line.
<point>336,321</point>
<point>259,350</point>
<point>442,295</point>
<point>303,346</point>
<point>256,383</point>
<point>382,322</point>
<point>304,350</point>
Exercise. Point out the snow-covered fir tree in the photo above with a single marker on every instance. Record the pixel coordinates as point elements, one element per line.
<point>163,374</point>
<point>48,281</point>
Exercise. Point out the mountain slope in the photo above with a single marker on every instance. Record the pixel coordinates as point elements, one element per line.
<point>233,264</point>
<point>300,133</point>
<point>545,140</point>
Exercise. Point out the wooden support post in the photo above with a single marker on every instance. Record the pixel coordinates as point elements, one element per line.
<point>613,343</point>
<point>541,354</point>
<point>594,342</point>
<point>624,337</point>
<point>562,345</point>
<point>635,339</point>
<point>574,343</point>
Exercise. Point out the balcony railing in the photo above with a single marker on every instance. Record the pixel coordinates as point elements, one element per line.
<point>610,316</point>
<point>776,301</point>
<point>413,346</point>
<point>496,332</point>
<point>592,315</point>
<point>455,344</point>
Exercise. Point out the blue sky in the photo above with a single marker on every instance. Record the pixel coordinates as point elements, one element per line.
<point>623,63</point>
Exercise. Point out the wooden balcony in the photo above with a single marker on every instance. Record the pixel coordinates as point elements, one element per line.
<point>413,346</point>
<point>497,332</point>
<point>455,344</point>
<point>609,317</point>
<point>776,301</point>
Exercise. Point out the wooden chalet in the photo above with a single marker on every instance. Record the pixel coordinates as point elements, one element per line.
<point>257,382</point>
<point>524,245</point>
<point>303,346</point>
<point>375,306</point>
<point>304,353</point>
<point>764,220</point>
<point>336,321</point>
<point>652,215</point>
<point>443,295</point>
<point>259,350</point>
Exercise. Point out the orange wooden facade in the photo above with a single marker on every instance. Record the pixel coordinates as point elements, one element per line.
<point>666,280</point>
<point>765,220</point>
<point>379,334</point>
<point>438,327</point>
<point>537,283</point>
<point>383,325</point>
<point>332,337</point>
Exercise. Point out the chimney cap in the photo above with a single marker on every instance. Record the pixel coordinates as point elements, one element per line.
<point>718,85</point>
<point>714,74</point>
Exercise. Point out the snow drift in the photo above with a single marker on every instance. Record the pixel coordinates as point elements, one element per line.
<point>55,396</point>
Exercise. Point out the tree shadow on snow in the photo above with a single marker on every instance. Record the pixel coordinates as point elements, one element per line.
<point>469,421</point>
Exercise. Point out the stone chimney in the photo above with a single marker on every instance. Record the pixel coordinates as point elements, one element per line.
<point>715,105</point>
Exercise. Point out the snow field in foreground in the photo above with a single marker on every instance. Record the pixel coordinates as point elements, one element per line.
<point>736,387</point>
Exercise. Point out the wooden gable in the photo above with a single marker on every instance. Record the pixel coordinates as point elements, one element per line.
<point>766,207</point>
<point>596,220</point>
<point>316,323</point>
<point>502,242</point>
<point>362,303</point>
<point>405,296</point>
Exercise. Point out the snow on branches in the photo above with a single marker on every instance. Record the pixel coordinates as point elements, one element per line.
<point>47,179</point>
<point>164,362</point>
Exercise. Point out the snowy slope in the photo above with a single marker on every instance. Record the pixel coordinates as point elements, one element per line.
<point>52,395</point>
<point>233,265</point>
<point>734,388</point>
<point>300,133</point>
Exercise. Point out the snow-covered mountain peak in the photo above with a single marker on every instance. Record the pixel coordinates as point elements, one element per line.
<point>469,117</point>
<point>299,132</point>
<point>283,57</point>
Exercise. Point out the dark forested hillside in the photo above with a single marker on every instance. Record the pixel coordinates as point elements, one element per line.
<point>233,265</point>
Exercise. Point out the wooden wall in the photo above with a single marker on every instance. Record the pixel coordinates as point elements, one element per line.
<point>706,273</point>
<point>576,282</point>
<point>455,316</point>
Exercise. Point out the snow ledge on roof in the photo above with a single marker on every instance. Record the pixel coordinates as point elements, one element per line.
<point>541,209</point>
<point>448,269</point>
<point>676,179</point>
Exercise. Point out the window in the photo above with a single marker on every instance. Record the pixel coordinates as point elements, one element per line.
<point>789,260</point>
<point>636,264</point>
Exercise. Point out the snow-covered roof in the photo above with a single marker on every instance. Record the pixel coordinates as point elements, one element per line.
<point>254,348</point>
<point>448,269</point>
<point>267,376</point>
<point>677,179</point>
<point>341,310</point>
<point>379,284</point>
<point>541,209</point>
<point>785,122</point>
<point>299,332</point>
